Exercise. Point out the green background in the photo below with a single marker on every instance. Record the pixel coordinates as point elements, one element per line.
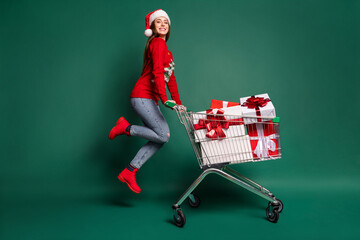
<point>67,69</point>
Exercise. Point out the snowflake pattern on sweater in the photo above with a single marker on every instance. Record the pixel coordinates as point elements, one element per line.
<point>169,70</point>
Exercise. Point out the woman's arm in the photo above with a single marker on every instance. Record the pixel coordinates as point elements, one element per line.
<point>173,89</point>
<point>158,50</point>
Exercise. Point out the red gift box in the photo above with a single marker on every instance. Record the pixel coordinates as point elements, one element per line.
<point>263,140</point>
<point>222,104</point>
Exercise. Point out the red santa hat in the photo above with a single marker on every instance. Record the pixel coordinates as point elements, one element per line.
<point>150,17</point>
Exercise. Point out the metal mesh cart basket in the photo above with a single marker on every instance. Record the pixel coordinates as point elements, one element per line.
<point>219,140</point>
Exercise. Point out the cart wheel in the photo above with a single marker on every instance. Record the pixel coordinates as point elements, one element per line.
<point>279,207</point>
<point>179,218</point>
<point>272,216</point>
<point>196,203</point>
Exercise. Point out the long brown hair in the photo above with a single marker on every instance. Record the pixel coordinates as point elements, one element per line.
<point>155,34</point>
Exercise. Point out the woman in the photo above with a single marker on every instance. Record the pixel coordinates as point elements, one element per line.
<point>158,69</point>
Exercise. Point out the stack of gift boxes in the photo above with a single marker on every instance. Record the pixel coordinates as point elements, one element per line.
<point>224,136</point>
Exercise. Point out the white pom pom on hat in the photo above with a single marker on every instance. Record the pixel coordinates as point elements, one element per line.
<point>150,17</point>
<point>148,32</point>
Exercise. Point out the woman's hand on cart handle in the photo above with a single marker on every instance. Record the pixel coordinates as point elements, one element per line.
<point>181,108</point>
<point>170,104</point>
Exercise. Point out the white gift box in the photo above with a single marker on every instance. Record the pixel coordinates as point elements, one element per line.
<point>232,131</point>
<point>236,110</point>
<point>233,150</point>
<point>229,114</point>
<point>267,111</point>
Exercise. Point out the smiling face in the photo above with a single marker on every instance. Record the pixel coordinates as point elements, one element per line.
<point>161,26</point>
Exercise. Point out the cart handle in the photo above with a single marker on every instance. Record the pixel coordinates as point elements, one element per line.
<point>276,120</point>
<point>175,107</point>
<point>170,104</point>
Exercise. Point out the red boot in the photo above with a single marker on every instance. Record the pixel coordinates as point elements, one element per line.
<point>120,128</point>
<point>128,177</point>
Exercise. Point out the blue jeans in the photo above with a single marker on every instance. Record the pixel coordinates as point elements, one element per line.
<point>155,129</point>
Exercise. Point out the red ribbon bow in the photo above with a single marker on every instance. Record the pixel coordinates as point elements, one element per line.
<point>214,124</point>
<point>256,103</point>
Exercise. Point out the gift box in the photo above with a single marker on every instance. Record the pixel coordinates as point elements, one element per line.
<point>258,105</point>
<point>264,141</point>
<point>218,124</point>
<point>222,104</point>
<point>232,131</point>
<point>229,150</point>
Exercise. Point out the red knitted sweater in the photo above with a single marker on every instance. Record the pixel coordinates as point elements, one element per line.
<point>158,70</point>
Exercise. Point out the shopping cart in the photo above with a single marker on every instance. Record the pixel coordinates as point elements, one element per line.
<point>220,140</point>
